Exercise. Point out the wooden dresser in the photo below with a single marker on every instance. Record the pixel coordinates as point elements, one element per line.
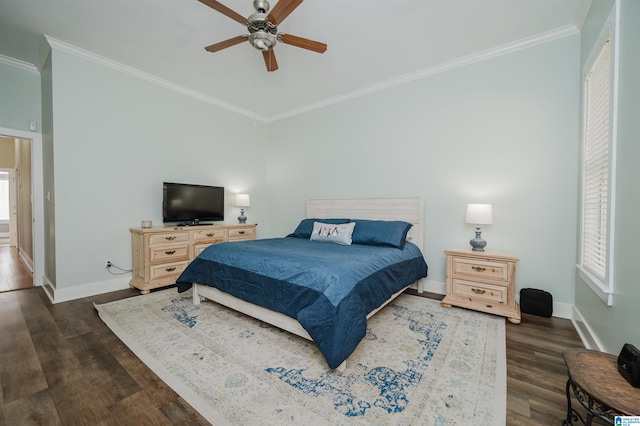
<point>159,255</point>
<point>484,281</point>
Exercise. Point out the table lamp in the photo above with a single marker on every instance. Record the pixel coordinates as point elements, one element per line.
<point>480,214</point>
<point>242,200</point>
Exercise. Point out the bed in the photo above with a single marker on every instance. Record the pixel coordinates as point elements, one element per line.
<point>313,285</point>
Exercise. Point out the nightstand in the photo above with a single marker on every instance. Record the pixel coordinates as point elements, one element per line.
<point>484,281</point>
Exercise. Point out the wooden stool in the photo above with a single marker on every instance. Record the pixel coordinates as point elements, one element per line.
<point>599,387</point>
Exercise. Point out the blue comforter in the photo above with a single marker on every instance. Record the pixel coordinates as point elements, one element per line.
<point>329,288</point>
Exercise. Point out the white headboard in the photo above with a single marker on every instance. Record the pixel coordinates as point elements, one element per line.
<point>408,209</point>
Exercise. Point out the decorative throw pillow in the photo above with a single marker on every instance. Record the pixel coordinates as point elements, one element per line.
<point>333,233</point>
<point>305,227</point>
<point>381,232</point>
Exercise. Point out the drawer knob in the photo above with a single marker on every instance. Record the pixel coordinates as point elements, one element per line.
<point>210,234</point>
<point>478,291</point>
<point>170,238</point>
<point>173,268</point>
<point>478,268</point>
<point>241,232</point>
<point>170,252</point>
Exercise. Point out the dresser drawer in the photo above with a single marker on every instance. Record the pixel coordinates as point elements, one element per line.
<point>480,291</point>
<point>242,234</point>
<point>199,248</point>
<point>167,270</point>
<point>169,253</point>
<point>208,235</point>
<point>476,268</point>
<point>167,238</point>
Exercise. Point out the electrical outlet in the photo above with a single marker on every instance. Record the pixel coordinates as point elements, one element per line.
<point>108,264</point>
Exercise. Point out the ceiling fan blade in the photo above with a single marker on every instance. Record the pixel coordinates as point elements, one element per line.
<point>270,60</point>
<point>227,43</point>
<point>304,43</point>
<point>281,10</point>
<point>214,4</point>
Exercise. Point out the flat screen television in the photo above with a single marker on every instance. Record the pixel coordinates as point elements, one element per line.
<point>192,204</point>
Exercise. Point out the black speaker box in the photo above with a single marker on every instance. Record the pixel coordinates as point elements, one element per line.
<point>536,302</point>
<point>629,364</point>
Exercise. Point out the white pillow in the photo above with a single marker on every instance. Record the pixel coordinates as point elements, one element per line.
<point>333,233</point>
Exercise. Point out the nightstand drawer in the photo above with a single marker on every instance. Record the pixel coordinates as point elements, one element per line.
<point>169,253</point>
<point>167,238</point>
<point>476,268</point>
<point>241,233</point>
<point>480,291</point>
<point>167,270</point>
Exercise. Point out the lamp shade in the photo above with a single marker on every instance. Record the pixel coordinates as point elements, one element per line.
<point>242,200</point>
<point>480,214</point>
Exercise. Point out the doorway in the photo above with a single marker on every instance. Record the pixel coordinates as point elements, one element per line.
<point>16,214</point>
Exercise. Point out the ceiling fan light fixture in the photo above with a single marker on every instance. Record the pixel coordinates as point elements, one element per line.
<point>262,41</point>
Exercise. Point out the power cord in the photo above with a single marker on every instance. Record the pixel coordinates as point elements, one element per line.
<point>113,265</point>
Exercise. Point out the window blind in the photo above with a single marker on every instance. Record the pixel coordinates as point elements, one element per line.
<point>596,163</point>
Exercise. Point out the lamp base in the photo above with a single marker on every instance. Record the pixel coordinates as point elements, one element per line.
<point>242,218</point>
<point>477,243</point>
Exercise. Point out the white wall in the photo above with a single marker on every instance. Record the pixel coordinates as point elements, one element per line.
<point>116,138</point>
<point>502,131</point>
<point>20,97</point>
<point>20,103</point>
<point>611,327</point>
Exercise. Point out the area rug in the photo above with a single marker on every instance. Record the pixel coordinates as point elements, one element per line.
<point>419,364</point>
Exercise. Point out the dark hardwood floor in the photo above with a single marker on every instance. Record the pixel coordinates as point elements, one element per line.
<point>61,365</point>
<point>14,274</point>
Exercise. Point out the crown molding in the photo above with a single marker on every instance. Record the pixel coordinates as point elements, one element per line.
<point>43,54</point>
<point>106,62</point>
<point>17,63</point>
<point>583,11</point>
<point>505,49</point>
<point>518,45</point>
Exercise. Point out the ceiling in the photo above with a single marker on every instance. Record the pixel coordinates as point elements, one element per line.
<point>371,43</point>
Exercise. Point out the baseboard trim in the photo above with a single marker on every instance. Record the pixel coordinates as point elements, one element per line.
<point>562,310</point>
<point>436,287</point>
<point>86,290</point>
<point>49,288</point>
<point>26,260</point>
<point>588,337</point>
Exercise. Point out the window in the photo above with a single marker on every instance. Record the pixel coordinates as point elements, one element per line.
<point>598,166</point>
<point>596,163</point>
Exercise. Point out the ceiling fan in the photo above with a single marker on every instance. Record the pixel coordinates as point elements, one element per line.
<point>263,29</point>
